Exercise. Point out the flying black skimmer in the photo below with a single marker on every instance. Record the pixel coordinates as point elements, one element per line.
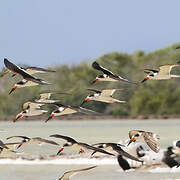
<point>30,109</point>
<point>161,74</point>
<point>30,70</point>
<point>28,80</point>
<point>116,147</point>
<point>68,174</point>
<point>63,109</point>
<point>107,75</point>
<point>35,141</point>
<point>78,145</point>
<point>149,137</point>
<point>45,97</point>
<point>103,96</point>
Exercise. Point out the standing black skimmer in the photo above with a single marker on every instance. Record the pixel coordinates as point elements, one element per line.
<point>28,79</point>
<point>30,70</point>
<point>68,174</point>
<point>35,140</point>
<point>161,74</point>
<point>79,145</point>
<point>30,109</point>
<point>149,137</point>
<point>116,147</point>
<point>103,96</point>
<point>108,75</point>
<point>63,109</point>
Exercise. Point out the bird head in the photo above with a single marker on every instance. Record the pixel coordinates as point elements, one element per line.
<point>50,117</point>
<point>86,100</point>
<point>145,79</point>
<point>20,115</point>
<point>60,150</point>
<point>14,87</point>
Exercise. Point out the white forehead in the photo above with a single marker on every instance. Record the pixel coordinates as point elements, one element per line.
<point>61,108</point>
<point>96,94</point>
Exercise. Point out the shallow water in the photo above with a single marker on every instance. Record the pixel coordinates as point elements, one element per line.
<point>86,131</point>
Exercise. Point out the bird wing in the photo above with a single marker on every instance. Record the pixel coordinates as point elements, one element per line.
<point>151,141</point>
<point>166,69</point>
<point>22,72</point>
<point>67,138</point>
<point>108,92</point>
<point>68,174</point>
<point>96,66</point>
<point>87,146</point>
<point>94,90</point>
<point>33,70</point>
<point>31,106</point>
<point>44,96</point>
<point>45,141</point>
<point>150,71</point>
<point>83,110</point>
<point>124,153</point>
<point>23,137</point>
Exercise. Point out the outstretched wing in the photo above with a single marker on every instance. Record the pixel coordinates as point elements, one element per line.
<point>151,141</point>
<point>108,92</point>
<point>87,146</point>
<point>67,138</point>
<point>150,71</point>
<point>68,174</point>
<point>33,70</point>
<point>166,69</point>
<point>46,141</point>
<point>96,66</point>
<point>23,137</point>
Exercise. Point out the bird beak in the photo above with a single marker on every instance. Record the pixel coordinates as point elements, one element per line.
<point>17,117</point>
<point>50,117</point>
<point>145,79</point>
<point>95,80</point>
<point>19,145</point>
<point>14,74</point>
<point>85,100</point>
<point>12,89</point>
<point>93,153</point>
<point>60,150</point>
<point>131,140</point>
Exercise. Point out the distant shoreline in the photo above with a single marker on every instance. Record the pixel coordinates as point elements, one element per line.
<point>108,117</point>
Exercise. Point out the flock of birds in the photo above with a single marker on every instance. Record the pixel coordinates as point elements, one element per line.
<point>33,108</point>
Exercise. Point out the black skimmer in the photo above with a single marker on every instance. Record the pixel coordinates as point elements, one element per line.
<point>34,140</point>
<point>149,137</point>
<point>78,145</point>
<point>107,75</point>
<point>68,174</point>
<point>30,70</point>
<point>30,109</point>
<point>66,109</point>
<point>170,158</point>
<point>103,96</point>
<point>116,147</point>
<point>28,79</point>
<point>161,74</point>
<point>45,97</point>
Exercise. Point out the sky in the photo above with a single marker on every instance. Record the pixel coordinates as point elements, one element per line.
<point>54,32</point>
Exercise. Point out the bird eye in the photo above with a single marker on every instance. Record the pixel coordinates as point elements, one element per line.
<point>137,135</point>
